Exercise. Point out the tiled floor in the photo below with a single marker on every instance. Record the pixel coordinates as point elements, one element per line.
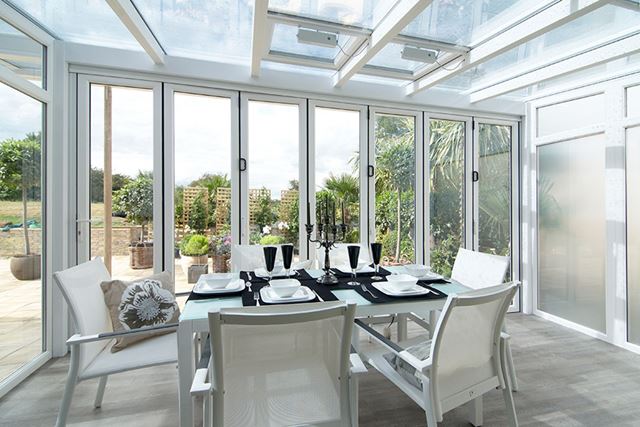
<point>566,379</point>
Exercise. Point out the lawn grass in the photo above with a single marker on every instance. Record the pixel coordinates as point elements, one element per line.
<point>11,211</point>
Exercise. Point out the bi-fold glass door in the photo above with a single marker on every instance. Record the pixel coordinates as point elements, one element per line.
<point>119,195</point>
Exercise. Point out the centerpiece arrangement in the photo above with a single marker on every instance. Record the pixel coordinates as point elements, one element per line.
<point>328,234</point>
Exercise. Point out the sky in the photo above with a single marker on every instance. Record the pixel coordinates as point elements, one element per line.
<point>19,114</point>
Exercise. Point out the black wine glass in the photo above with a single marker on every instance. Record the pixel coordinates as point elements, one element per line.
<point>376,253</point>
<point>270,259</point>
<point>287,257</point>
<point>354,255</point>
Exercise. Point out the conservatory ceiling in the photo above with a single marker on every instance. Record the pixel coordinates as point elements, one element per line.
<point>481,48</point>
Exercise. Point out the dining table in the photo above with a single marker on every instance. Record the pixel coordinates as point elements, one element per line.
<point>369,302</point>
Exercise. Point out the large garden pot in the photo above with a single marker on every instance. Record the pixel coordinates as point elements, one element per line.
<point>187,261</point>
<point>141,256</point>
<point>25,267</point>
<point>220,263</point>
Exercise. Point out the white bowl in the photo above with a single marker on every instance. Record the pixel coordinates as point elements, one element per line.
<point>417,270</point>
<point>217,280</point>
<point>401,282</point>
<point>285,287</point>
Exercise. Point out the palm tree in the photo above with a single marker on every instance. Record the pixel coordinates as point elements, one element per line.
<point>345,188</point>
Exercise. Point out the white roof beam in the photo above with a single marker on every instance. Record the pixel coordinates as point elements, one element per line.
<point>627,4</point>
<point>388,28</point>
<point>261,36</point>
<point>128,14</point>
<point>618,49</point>
<point>545,21</point>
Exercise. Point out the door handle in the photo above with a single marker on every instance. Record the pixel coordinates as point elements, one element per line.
<point>242,164</point>
<point>475,176</point>
<point>370,171</point>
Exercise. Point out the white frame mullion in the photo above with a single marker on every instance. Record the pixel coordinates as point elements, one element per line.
<point>84,146</point>
<point>362,146</point>
<point>169,161</point>
<point>419,248</point>
<point>245,98</point>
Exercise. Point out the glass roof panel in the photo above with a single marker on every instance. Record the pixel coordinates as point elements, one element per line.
<point>391,57</point>
<point>201,29</point>
<point>20,53</point>
<point>285,40</point>
<point>595,27</point>
<point>362,13</point>
<point>461,21</point>
<point>81,21</point>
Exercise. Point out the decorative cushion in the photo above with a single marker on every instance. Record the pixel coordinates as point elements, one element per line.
<point>146,302</point>
<point>421,351</point>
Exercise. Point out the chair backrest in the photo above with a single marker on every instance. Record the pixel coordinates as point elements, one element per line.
<point>281,365</point>
<point>249,257</point>
<point>478,270</point>
<point>465,350</point>
<point>340,256</point>
<point>80,286</point>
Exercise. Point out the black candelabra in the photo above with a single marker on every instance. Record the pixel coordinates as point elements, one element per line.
<point>328,235</point>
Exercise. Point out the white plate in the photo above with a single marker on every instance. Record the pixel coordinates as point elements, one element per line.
<point>302,294</point>
<point>386,289</point>
<point>233,286</point>
<point>216,280</point>
<point>347,269</point>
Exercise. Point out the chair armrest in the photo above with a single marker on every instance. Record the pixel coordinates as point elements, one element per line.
<point>505,336</point>
<point>81,339</point>
<point>420,365</point>
<point>357,365</point>
<point>183,294</point>
<point>200,386</point>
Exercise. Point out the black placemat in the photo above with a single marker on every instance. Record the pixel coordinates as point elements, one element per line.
<point>342,275</point>
<point>322,292</point>
<point>195,297</point>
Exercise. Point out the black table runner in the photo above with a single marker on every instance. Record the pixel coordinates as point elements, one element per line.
<point>324,291</point>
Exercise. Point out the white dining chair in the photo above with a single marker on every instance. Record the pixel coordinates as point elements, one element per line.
<point>90,347</point>
<point>462,362</point>
<point>477,270</point>
<point>340,256</point>
<point>280,366</point>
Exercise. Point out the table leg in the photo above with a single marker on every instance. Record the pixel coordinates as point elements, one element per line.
<point>402,326</point>
<point>186,371</point>
<point>433,319</point>
<point>355,338</point>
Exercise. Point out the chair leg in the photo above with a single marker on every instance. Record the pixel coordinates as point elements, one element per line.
<point>429,406</point>
<point>72,379</point>
<point>100,394</point>
<point>511,368</point>
<point>506,392</point>
<point>476,412</point>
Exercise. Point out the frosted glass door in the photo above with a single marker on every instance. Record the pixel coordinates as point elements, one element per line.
<point>571,230</point>
<point>633,235</point>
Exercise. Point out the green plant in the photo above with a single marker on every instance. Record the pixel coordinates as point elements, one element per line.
<point>270,239</point>
<point>265,214</point>
<point>20,172</point>
<point>198,219</point>
<point>135,199</point>
<point>194,245</point>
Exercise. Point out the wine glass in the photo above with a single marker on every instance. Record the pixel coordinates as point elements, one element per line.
<point>354,254</point>
<point>270,259</point>
<point>376,253</point>
<point>287,257</point>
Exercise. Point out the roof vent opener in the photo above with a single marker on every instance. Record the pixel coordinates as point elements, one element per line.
<point>418,54</point>
<point>317,38</point>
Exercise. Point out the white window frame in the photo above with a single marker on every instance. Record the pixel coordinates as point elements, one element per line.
<point>53,151</point>
<point>362,144</point>
<point>84,163</point>
<point>169,161</point>
<point>245,97</point>
<point>419,249</point>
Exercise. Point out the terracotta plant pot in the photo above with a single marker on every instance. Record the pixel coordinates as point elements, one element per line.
<point>26,267</point>
<point>141,256</point>
<point>187,261</point>
<point>220,263</point>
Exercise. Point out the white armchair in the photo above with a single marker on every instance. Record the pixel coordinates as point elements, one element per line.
<point>90,347</point>
<point>462,362</point>
<point>281,365</point>
<point>478,270</point>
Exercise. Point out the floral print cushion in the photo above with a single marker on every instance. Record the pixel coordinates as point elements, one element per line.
<point>138,304</point>
<point>421,351</point>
